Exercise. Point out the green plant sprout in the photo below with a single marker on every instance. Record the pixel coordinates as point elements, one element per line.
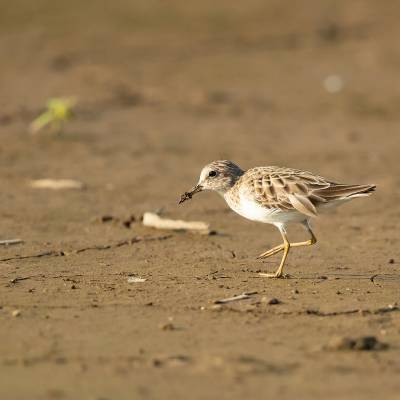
<point>59,110</point>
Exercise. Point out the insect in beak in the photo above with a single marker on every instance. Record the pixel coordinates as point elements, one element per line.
<point>189,195</point>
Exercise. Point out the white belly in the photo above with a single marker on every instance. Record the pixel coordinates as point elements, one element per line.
<point>256,212</point>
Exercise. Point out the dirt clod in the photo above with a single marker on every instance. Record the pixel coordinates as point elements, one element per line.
<point>270,300</point>
<point>169,326</point>
<point>16,313</point>
<point>363,343</point>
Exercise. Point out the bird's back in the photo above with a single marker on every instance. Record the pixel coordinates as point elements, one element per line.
<point>286,190</point>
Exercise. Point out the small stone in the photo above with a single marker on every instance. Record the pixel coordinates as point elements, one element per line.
<point>274,301</point>
<point>106,218</point>
<point>16,313</point>
<point>333,84</point>
<point>341,343</point>
<point>363,343</point>
<point>168,327</point>
<point>136,279</point>
<point>157,362</point>
<point>270,300</point>
<point>127,223</point>
<point>391,261</point>
<point>368,343</point>
<point>73,287</point>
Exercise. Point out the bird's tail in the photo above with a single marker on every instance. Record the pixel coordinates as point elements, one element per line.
<point>342,192</point>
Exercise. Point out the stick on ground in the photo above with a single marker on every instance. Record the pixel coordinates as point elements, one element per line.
<point>8,242</point>
<point>243,296</point>
<point>155,221</point>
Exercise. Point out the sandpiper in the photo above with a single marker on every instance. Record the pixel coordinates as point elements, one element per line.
<point>276,195</point>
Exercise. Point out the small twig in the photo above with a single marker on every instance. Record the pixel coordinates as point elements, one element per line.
<point>382,310</point>
<point>372,278</point>
<point>121,243</point>
<point>56,184</point>
<point>9,242</point>
<point>19,278</point>
<point>54,253</point>
<point>44,254</point>
<point>331,313</point>
<point>243,296</point>
<point>155,221</point>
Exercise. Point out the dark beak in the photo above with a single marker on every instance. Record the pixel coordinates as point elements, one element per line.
<point>188,195</point>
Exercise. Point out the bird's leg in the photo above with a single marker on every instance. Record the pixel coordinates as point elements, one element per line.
<point>285,247</point>
<point>272,251</point>
<point>281,247</point>
<point>308,242</point>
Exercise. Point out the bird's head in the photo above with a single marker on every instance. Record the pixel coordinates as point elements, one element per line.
<point>219,176</point>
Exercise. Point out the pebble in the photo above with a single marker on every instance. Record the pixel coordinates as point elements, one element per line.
<point>136,279</point>
<point>168,327</point>
<point>270,300</point>
<point>333,84</point>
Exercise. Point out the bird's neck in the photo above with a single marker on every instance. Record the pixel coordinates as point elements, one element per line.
<point>230,184</point>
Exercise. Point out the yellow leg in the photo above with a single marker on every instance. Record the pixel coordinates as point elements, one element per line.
<point>285,246</point>
<point>278,273</point>
<point>308,242</point>
<point>272,251</point>
<point>281,247</point>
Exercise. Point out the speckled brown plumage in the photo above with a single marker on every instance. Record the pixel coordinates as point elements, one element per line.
<point>289,189</point>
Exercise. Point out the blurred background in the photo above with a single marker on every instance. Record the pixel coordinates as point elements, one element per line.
<point>162,88</point>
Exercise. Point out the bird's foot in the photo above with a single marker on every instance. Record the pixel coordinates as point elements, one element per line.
<point>274,275</point>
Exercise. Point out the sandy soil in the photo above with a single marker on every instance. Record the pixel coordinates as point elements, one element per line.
<point>163,89</point>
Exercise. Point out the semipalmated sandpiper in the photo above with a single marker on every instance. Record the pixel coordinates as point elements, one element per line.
<point>276,195</point>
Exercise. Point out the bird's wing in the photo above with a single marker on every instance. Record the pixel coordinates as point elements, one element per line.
<point>285,189</point>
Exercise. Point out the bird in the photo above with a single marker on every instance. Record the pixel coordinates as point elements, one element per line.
<point>275,195</point>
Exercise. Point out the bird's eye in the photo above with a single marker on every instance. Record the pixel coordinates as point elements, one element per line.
<point>212,173</point>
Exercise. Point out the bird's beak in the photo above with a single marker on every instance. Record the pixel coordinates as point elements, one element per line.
<point>188,195</point>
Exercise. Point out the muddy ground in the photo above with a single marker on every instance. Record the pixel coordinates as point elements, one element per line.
<point>164,88</point>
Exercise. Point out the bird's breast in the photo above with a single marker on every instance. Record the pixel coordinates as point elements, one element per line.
<point>254,211</point>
